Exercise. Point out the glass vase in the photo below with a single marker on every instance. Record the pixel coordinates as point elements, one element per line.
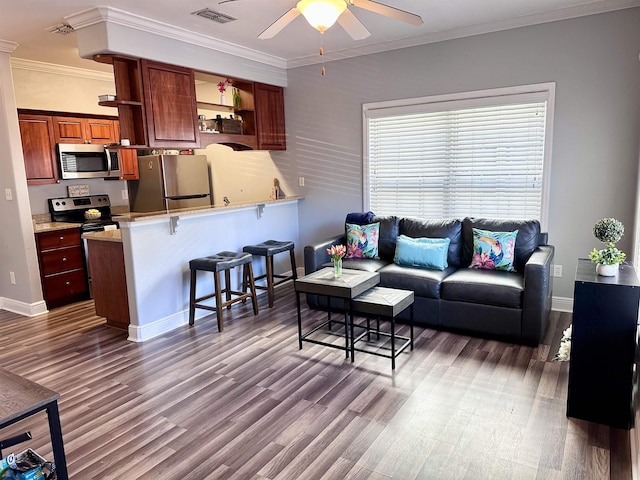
<point>223,100</point>
<point>337,268</point>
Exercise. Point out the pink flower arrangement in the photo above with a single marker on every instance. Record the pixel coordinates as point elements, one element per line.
<point>222,86</point>
<point>337,252</point>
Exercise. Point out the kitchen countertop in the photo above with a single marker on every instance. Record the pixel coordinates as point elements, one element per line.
<point>106,236</point>
<point>53,226</point>
<point>137,217</point>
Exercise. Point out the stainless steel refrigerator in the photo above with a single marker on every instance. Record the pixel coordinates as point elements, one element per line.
<point>169,182</point>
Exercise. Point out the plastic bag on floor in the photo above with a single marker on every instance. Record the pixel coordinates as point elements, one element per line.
<point>27,465</point>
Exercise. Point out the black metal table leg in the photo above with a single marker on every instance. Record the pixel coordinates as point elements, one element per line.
<point>299,320</point>
<point>56,441</point>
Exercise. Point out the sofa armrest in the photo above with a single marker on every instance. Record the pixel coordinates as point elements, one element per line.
<point>316,255</point>
<point>536,304</point>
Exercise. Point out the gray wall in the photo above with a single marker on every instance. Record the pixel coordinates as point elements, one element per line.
<point>594,62</point>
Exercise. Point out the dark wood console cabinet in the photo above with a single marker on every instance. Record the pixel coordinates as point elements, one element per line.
<point>603,346</point>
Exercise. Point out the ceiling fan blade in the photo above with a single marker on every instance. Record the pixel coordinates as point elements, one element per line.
<point>279,24</point>
<point>353,26</point>
<point>388,11</point>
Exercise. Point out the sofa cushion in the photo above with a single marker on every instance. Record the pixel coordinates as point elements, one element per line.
<point>422,252</point>
<point>526,240</point>
<point>388,234</point>
<point>362,240</point>
<point>450,228</point>
<point>493,250</point>
<point>424,282</point>
<point>489,287</point>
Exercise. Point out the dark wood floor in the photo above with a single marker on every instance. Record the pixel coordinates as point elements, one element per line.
<point>248,404</point>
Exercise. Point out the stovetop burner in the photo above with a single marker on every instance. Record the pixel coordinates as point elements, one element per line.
<point>72,209</point>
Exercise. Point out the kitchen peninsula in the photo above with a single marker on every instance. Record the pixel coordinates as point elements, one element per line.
<point>157,248</point>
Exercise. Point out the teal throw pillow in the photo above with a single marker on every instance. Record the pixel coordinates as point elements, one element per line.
<point>362,240</point>
<point>422,252</point>
<point>493,250</point>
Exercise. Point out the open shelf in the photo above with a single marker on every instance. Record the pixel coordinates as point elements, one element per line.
<point>117,103</point>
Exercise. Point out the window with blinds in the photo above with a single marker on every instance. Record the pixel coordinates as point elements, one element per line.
<point>476,154</point>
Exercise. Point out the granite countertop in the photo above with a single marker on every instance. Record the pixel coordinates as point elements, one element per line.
<point>106,236</point>
<point>137,217</point>
<point>53,226</point>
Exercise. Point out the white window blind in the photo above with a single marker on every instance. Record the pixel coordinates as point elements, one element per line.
<point>443,159</point>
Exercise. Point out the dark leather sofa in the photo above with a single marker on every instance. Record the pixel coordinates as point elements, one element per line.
<point>510,305</point>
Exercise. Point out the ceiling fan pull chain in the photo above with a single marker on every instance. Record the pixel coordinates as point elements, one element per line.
<point>322,52</point>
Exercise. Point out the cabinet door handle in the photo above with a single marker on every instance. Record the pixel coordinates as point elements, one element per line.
<point>61,238</point>
<point>64,259</point>
<point>68,283</point>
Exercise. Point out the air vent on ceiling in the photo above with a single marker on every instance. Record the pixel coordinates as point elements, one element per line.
<point>214,16</point>
<point>61,29</point>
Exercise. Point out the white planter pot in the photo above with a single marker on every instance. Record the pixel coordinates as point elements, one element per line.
<point>607,270</point>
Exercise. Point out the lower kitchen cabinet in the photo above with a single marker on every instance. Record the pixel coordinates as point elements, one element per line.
<point>108,281</point>
<point>62,267</point>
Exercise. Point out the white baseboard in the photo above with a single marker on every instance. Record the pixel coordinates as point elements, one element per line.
<point>562,304</point>
<point>141,333</point>
<point>22,308</point>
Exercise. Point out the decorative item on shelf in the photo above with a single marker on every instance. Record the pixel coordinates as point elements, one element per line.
<point>337,252</point>
<point>106,98</point>
<point>564,352</point>
<point>222,87</point>
<point>237,102</point>
<point>608,259</point>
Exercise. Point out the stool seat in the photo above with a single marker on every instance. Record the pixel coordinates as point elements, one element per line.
<point>220,261</point>
<point>268,248</point>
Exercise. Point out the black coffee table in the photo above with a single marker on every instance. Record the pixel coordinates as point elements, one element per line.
<point>323,282</point>
<point>386,303</point>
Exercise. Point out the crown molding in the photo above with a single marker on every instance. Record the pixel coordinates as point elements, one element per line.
<point>7,47</point>
<point>42,67</point>
<point>523,21</point>
<point>116,16</point>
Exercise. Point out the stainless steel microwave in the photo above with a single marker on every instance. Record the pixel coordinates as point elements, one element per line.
<point>79,160</point>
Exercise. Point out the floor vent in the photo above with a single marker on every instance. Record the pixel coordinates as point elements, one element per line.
<point>214,16</point>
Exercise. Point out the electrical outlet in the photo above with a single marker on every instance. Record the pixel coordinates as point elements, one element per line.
<point>8,194</point>
<point>125,194</point>
<point>12,278</point>
<point>301,181</point>
<point>557,271</point>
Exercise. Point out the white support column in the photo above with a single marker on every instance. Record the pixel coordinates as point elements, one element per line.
<point>20,288</point>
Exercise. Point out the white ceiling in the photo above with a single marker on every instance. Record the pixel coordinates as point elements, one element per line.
<point>25,22</point>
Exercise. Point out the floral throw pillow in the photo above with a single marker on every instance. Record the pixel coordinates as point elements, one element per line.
<point>362,240</point>
<point>493,250</point>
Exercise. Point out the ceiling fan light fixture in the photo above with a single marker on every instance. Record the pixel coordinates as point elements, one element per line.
<point>321,14</point>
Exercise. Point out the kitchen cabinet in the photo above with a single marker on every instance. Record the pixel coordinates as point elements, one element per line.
<point>128,164</point>
<point>84,130</point>
<point>39,149</point>
<point>170,105</point>
<point>62,267</point>
<point>269,111</point>
<point>261,110</point>
<point>603,346</point>
<point>108,281</point>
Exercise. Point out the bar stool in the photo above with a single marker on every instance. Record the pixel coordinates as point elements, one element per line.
<point>267,250</point>
<point>222,261</point>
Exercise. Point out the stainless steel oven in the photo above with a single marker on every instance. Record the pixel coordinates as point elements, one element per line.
<point>78,160</point>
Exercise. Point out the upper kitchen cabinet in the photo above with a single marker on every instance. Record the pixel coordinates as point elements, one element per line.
<point>170,105</point>
<point>39,148</point>
<point>258,108</point>
<point>84,130</point>
<point>269,111</point>
<point>156,102</point>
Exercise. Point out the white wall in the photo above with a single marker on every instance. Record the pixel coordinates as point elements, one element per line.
<point>25,296</point>
<point>594,62</point>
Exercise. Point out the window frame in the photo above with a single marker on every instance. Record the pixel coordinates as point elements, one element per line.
<point>477,98</point>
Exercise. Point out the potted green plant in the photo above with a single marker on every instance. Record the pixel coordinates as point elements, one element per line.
<point>608,259</point>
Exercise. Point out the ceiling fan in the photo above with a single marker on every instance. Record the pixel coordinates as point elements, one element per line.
<point>322,14</point>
